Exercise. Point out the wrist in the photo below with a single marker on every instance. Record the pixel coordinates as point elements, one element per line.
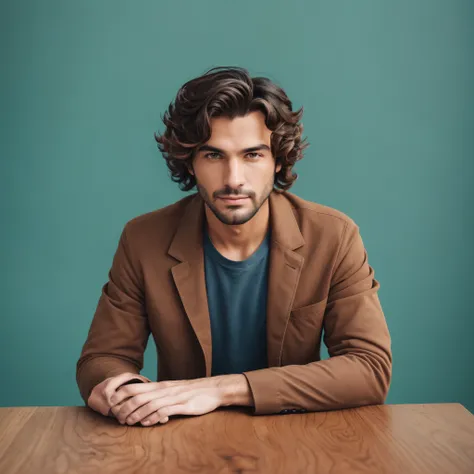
<point>234,389</point>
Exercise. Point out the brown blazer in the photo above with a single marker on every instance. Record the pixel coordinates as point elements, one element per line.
<point>319,277</point>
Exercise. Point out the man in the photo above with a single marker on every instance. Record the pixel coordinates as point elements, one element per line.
<point>237,281</point>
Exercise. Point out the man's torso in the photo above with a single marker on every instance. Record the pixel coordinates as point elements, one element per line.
<point>167,250</point>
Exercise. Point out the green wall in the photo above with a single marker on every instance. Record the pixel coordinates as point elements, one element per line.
<point>389,111</point>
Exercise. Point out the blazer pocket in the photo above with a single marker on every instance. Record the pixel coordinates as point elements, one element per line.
<point>310,311</point>
<point>302,341</point>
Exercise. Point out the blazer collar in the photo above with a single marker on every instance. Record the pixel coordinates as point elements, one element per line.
<point>285,229</point>
<point>187,242</point>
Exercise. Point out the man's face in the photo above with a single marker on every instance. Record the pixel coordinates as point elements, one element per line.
<point>235,169</point>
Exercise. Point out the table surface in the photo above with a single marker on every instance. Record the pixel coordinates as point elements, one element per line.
<point>428,438</point>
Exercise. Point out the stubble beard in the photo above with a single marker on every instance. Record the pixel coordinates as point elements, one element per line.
<point>235,219</point>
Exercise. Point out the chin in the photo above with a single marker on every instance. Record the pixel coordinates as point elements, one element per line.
<point>241,218</point>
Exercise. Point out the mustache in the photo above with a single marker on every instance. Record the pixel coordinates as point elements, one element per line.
<point>227,191</point>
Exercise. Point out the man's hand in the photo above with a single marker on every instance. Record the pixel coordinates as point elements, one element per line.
<point>101,393</point>
<point>155,402</point>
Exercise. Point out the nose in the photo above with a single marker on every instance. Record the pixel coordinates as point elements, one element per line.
<point>234,173</point>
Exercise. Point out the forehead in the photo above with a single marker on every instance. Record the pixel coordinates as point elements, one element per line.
<point>239,132</point>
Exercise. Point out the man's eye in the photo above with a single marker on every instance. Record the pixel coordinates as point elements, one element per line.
<point>212,156</point>
<point>254,155</point>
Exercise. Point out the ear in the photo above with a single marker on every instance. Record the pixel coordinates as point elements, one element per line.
<point>190,168</point>
<point>278,166</point>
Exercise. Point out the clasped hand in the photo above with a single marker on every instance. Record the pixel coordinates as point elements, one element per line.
<point>154,402</point>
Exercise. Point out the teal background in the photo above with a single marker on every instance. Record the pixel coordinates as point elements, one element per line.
<point>389,111</point>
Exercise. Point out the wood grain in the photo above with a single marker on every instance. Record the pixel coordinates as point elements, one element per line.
<point>431,439</point>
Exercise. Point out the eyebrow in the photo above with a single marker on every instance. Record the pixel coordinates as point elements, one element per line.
<point>214,149</point>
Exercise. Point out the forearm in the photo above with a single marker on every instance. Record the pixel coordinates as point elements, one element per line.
<point>339,382</point>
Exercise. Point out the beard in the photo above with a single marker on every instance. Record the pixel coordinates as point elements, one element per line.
<point>235,215</point>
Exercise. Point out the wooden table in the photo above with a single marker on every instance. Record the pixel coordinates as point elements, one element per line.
<point>435,438</point>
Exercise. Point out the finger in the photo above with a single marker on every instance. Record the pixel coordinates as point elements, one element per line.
<point>132,390</point>
<point>162,389</point>
<point>111,411</point>
<point>175,387</point>
<point>153,419</point>
<point>115,382</point>
<point>151,407</point>
<point>140,413</point>
<point>145,402</point>
<point>128,406</point>
<point>162,415</point>
<point>116,408</point>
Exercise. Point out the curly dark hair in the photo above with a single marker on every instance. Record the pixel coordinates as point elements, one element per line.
<point>229,92</point>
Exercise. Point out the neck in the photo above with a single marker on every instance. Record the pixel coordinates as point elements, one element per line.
<point>238,242</point>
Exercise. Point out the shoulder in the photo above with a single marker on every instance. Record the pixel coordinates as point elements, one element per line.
<point>158,224</point>
<point>318,215</point>
<point>325,229</point>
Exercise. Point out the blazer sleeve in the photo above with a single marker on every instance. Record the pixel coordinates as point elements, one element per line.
<point>359,369</point>
<point>119,331</point>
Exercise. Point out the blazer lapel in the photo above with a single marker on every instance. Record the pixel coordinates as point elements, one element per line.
<point>189,277</point>
<point>284,273</point>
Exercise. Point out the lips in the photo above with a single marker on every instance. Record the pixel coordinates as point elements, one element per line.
<point>234,199</point>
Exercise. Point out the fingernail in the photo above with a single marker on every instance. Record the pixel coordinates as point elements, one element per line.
<point>146,423</point>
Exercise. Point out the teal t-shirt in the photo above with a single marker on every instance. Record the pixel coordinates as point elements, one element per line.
<point>237,298</point>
